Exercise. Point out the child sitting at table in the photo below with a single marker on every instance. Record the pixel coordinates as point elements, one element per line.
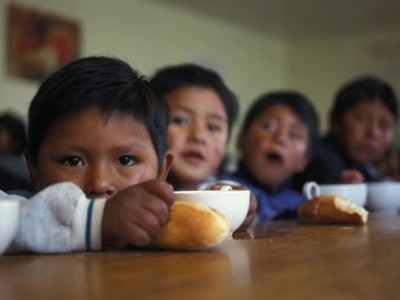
<point>362,123</point>
<point>203,111</point>
<point>276,141</point>
<point>100,126</point>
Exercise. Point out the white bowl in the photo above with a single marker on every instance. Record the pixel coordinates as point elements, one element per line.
<point>233,204</point>
<point>354,192</point>
<point>383,197</point>
<point>9,213</point>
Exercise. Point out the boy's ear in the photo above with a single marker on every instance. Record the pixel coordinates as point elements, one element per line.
<point>333,124</point>
<point>166,166</point>
<point>32,170</point>
<point>239,142</point>
<point>302,163</point>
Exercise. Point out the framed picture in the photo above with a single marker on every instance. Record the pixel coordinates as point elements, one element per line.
<point>38,43</point>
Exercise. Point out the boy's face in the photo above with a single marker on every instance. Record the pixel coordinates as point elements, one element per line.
<point>274,147</point>
<point>366,131</point>
<point>197,134</point>
<point>101,155</point>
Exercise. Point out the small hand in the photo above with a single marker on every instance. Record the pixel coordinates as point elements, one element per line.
<point>134,215</point>
<point>351,176</point>
<point>252,207</point>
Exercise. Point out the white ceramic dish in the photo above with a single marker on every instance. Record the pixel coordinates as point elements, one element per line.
<point>9,213</point>
<point>233,204</point>
<point>384,197</point>
<point>355,192</point>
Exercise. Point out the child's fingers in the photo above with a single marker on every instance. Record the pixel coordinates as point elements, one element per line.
<point>351,176</point>
<point>147,221</point>
<point>158,209</point>
<point>161,189</point>
<point>137,236</point>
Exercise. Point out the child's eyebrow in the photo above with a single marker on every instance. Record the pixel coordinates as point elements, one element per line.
<point>135,146</point>
<point>192,111</point>
<point>217,117</point>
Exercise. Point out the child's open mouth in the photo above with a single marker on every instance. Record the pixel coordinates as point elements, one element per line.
<point>274,158</point>
<point>194,157</point>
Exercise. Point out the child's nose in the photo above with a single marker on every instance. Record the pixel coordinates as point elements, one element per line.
<point>197,131</point>
<point>99,182</point>
<point>372,129</point>
<point>280,135</point>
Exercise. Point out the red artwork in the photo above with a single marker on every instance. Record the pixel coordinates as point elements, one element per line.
<point>39,43</point>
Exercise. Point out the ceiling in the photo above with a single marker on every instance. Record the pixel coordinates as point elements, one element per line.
<point>290,18</point>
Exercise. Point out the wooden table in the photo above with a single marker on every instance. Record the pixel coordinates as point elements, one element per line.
<point>279,260</point>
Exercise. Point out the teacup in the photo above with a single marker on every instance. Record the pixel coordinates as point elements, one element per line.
<point>383,197</point>
<point>354,192</point>
<point>233,204</point>
<point>9,213</point>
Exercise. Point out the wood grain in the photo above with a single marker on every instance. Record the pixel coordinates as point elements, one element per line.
<point>277,260</point>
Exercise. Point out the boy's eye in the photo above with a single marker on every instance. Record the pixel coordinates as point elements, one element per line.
<point>385,125</point>
<point>126,160</point>
<point>296,135</point>
<point>179,120</point>
<point>360,117</point>
<point>270,126</point>
<point>73,161</point>
<point>214,127</point>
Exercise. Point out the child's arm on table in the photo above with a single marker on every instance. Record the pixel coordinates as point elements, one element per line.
<point>55,220</point>
<point>60,219</point>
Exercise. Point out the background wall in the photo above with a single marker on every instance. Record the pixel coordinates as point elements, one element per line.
<point>151,35</point>
<point>319,66</point>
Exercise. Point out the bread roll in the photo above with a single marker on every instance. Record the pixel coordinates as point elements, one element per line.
<point>332,209</point>
<point>193,226</point>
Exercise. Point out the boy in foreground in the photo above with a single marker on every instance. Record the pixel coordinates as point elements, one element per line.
<point>97,158</point>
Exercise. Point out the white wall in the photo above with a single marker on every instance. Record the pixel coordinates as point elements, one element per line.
<point>320,66</point>
<point>149,36</point>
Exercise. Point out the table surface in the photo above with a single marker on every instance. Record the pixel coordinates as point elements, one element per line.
<point>280,259</point>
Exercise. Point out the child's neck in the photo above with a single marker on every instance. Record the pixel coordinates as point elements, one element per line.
<point>182,185</point>
<point>270,188</point>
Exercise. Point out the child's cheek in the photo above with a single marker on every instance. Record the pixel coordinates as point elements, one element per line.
<point>300,149</point>
<point>173,140</point>
<point>219,149</point>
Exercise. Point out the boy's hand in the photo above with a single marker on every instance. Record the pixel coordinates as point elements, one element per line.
<point>252,207</point>
<point>133,215</point>
<point>351,176</point>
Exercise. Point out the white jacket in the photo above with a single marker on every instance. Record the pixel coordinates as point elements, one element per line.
<point>58,219</point>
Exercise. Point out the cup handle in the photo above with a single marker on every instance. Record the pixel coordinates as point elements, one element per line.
<point>311,190</point>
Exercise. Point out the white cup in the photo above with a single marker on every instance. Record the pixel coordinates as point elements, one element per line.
<point>9,213</point>
<point>354,192</point>
<point>384,197</point>
<point>233,204</point>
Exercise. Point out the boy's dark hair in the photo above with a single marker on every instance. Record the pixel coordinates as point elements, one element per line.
<point>16,128</point>
<point>172,78</point>
<point>298,104</point>
<point>364,89</point>
<point>107,83</point>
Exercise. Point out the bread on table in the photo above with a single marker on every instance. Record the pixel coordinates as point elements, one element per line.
<point>193,226</point>
<point>332,209</point>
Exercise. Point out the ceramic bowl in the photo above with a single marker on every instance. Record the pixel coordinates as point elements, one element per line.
<point>384,197</point>
<point>233,204</point>
<point>355,192</point>
<point>9,213</point>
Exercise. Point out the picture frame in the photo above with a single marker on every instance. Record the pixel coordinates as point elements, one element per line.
<point>38,43</point>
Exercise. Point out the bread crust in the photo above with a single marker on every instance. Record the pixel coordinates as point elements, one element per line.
<point>332,209</point>
<point>193,226</point>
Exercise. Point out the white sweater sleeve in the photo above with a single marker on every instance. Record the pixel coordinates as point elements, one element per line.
<point>58,219</point>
